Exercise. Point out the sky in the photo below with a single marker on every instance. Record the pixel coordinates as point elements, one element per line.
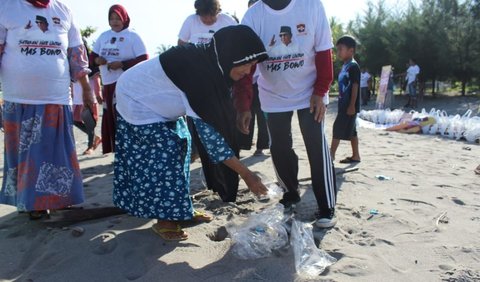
<point>159,21</point>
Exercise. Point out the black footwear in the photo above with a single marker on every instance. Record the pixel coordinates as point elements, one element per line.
<point>35,215</point>
<point>289,199</point>
<point>325,218</point>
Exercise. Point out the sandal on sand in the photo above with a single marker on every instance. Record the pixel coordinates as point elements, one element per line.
<point>199,216</point>
<point>35,215</point>
<point>88,151</point>
<point>349,160</point>
<point>477,170</point>
<point>170,234</point>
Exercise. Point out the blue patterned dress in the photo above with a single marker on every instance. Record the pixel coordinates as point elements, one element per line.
<point>152,167</point>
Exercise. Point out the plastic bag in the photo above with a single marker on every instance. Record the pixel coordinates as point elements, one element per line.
<point>309,260</point>
<point>262,235</point>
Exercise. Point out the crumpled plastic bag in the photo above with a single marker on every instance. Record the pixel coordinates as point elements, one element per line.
<point>310,261</point>
<point>262,235</point>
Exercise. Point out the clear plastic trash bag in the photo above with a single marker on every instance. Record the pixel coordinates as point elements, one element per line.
<point>262,235</point>
<point>310,261</point>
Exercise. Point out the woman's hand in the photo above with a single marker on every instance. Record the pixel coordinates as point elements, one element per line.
<point>252,180</point>
<point>100,61</point>
<point>255,184</point>
<point>115,65</point>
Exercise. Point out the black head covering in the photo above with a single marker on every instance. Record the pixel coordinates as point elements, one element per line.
<point>202,72</point>
<point>235,46</point>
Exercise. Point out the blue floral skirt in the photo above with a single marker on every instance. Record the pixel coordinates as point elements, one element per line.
<point>41,169</point>
<point>152,170</point>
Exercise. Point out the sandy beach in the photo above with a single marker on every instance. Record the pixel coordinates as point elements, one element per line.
<point>426,227</point>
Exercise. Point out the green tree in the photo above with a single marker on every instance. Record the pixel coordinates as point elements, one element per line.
<point>88,31</point>
<point>463,38</point>
<point>162,48</point>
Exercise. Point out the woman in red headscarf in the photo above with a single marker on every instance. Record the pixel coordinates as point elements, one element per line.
<point>115,51</point>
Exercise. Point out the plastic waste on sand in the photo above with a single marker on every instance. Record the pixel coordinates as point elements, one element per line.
<point>310,261</point>
<point>261,235</point>
<point>383,177</point>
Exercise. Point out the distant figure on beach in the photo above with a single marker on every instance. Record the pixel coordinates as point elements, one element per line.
<point>115,51</point>
<point>246,140</point>
<point>85,118</point>
<point>41,170</point>
<point>199,27</point>
<point>365,86</point>
<point>412,79</point>
<point>297,82</point>
<point>389,96</point>
<point>345,126</point>
<point>152,172</point>
<point>412,125</point>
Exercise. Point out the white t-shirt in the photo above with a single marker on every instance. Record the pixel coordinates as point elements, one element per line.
<point>117,46</point>
<point>364,77</point>
<point>146,95</point>
<point>412,73</point>
<point>77,92</point>
<point>35,67</point>
<point>195,31</point>
<point>287,78</point>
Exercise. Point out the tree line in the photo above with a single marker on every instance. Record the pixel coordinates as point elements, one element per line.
<point>443,36</point>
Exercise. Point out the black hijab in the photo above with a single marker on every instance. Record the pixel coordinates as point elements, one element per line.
<point>202,72</point>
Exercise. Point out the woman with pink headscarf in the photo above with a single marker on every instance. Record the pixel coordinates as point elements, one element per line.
<point>115,51</point>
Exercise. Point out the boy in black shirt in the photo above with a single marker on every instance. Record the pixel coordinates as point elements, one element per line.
<point>344,127</point>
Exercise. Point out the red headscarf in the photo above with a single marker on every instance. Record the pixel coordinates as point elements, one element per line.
<point>122,13</point>
<point>39,3</point>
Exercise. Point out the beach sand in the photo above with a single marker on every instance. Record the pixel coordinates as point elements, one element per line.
<point>427,227</point>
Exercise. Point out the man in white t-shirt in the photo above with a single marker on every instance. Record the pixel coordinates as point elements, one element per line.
<point>365,86</point>
<point>295,80</point>
<point>411,77</point>
<point>199,28</point>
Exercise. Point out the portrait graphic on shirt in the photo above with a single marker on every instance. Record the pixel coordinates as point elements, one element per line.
<point>285,52</point>
<point>37,38</point>
<point>42,23</point>
<point>110,47</point>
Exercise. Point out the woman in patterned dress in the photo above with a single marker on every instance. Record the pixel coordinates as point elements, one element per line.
<point>42,51</point>
<point>153,143</point>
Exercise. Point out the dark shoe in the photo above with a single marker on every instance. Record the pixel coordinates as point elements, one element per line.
<point>258,153</point>
<point>349,160</point>
<point>289,199</point>
<point>325,218</point>
<point>35,215</point>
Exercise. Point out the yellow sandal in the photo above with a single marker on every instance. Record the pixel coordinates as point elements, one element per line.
<point>170,234</point>
<point>199,216</point>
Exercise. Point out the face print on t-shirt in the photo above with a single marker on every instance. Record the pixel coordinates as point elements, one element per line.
<point>110,47</point>
<point>284,49</point>
<point>39,37</point>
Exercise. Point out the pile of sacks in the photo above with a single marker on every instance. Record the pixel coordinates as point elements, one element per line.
<point>460,127</point>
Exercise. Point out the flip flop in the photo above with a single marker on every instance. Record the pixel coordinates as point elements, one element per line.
<point>477,170</point>
<point>170,234</point>
<point>199,216</point>
<point>349,160</point>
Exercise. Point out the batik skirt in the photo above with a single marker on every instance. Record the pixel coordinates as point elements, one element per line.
<point>41,169</point>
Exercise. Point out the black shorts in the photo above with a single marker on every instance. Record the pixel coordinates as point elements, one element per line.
<point>345,127</point>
